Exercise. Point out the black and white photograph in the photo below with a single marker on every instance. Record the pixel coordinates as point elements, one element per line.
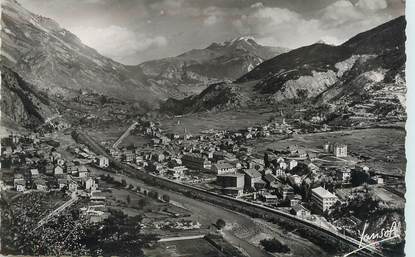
<point>194,128</point>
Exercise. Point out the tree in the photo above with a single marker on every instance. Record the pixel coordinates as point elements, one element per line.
<point>358,178</point>
<point>142,203</point>
<point>153,194</point>
<point>220,223</point>
<point>302,94</point>
<point>266,160</point>
<point>274,246</point>
<point>165,198</point>
<point>301,169</point>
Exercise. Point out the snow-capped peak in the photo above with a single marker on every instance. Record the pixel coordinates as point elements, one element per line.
<point>242,39</point>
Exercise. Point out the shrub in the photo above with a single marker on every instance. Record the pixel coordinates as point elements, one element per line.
<point>165,198</point>
<point>220,223</point>
<point>274,246</point>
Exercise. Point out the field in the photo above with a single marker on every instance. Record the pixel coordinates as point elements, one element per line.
<point>189,248</point>
<point>382,149</point>
<point>109,134</point>
<point>195,123</point>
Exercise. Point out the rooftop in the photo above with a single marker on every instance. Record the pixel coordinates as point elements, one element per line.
<point>231,175</point>
<point>223,165</point>
<point>252,173</point>
<point>322,192</point>
<point>269,178</point>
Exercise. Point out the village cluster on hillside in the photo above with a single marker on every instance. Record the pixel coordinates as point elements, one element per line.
<point>296,180</point>
<point>306,183</point>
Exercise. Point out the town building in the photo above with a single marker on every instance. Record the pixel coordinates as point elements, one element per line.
<point>128,156</point>
<point>295,200</point>
<point>300,211</point>
<point>344,174</point>
<point>82,172</point>
<point>177,172</point>
<point>90,184</point>
<point>322,198</point>
<point>196,162</point>
<point>223,168</point>
<point>255,163</point>
<point>340,150</point>
<point>231,183</point>
<point>231,180</point>
<point>40,184</point>
<point>103,162</point>
<point>34,173</point>
<point>295,180</point>
<point>58,170</point>
<point>49,169</point>
<point>270,180</point>
<point>19,184</point>
<point>232,191</point>
<point>62,182</point>
<point>68,166</point>
<point>269,198</point>
<point>279,172</point>
<point>72,186</point>
<point>286,192</point>
<point>253,179</point>
<point>292,164</point>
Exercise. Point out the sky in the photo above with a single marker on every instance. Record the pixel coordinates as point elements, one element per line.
<point>134,31</point>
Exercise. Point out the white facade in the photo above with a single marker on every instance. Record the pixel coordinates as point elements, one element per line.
<point>323,198</point>
<point>340,150</point>
<point>103,162</point>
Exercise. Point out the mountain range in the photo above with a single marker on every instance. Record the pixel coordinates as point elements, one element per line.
<point>196,69</point>
<point>41,60</point>
<point>366,74</point>
<point>56,61</point>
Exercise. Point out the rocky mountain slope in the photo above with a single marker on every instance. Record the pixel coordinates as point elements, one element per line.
<point>56,61</point>
<point>195,69</point>
<point>21,104</point>
<point>366,74</point>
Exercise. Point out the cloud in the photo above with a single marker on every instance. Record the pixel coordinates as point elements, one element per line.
<point>277,26</point>
<point>213,15</point>
<point>211,20</point>
<point>340,12</point>
<point>257,5</point>
<point>117,42</point>
<point>372,4</point>
<point>333,23</point>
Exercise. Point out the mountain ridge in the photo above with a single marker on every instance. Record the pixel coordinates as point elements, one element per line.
<point>55,60</point>
<point>366,73</point>
<point>217,62</point>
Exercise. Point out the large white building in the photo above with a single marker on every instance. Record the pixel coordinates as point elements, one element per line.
<point>323,198</point>
<point>340,150</point>
<point>103,162</point>
<point>223,168</point>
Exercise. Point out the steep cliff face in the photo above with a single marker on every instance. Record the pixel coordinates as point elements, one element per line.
<point>375,84</point>
<point>54,59</point>
<point>21,103</point>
